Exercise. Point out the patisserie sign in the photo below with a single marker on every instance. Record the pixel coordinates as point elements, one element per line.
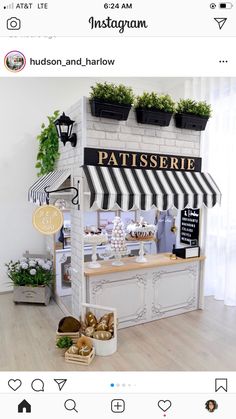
<point>136,160</point>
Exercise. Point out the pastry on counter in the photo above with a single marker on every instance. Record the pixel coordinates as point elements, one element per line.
<point>141,231</point>
<point>118,243</point>
<point>94,235</point>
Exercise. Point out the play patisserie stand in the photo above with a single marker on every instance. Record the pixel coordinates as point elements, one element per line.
<point>146,287</point>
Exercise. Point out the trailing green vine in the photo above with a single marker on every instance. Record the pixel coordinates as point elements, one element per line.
<point>48,146</point>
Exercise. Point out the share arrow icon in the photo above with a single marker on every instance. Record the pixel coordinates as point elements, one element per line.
<point>221,21</point>
<point>60,383</point>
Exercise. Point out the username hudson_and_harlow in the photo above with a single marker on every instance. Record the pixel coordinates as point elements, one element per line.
<point>82,61</point>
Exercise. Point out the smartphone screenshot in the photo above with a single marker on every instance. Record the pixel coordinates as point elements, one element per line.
<point>117,199</point>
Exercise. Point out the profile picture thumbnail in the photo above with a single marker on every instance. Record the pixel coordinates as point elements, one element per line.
<point>211,405</point>
<point>15,61</point>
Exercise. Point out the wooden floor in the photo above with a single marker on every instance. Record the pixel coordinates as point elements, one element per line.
<point>200,340</point>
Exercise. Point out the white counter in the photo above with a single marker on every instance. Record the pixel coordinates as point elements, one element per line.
<point>143,292</point>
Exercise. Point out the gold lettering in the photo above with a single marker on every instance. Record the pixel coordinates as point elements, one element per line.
<point>102,155</point>
<point>112,160</point>
<point>163,162</point>
<point>143,160</point>
<point>134,160</point>
<point>182,163</point>
<point>191,164</point>
<point>153,160</point>
<point>174,163</point>
<point>124,158</point>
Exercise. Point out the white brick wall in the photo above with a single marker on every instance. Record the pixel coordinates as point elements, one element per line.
<point>71,158</point>
<point>129,135</point>
<point>123,135</point>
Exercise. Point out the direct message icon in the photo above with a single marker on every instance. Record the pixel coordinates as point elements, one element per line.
<point>221,21</point>
<point>60,382</point>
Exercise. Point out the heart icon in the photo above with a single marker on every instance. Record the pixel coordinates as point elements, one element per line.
<point>14,384</point>
<point>164,405</point>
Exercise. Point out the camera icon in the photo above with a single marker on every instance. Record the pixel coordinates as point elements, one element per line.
<point>13,24</point>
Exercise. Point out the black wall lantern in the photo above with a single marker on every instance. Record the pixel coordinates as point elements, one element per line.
<point>64,126</point>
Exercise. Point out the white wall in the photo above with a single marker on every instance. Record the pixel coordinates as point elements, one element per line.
<point>24,105</point>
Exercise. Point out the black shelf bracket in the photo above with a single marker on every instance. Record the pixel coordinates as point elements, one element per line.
<point>75,199</point>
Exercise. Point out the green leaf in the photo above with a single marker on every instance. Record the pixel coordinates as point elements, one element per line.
<point>48,146</point>
<point>195,108</point>
<point>112,93</point>
<point>153,100</point>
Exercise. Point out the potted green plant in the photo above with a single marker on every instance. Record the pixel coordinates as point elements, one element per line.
<point>111,101</point>
<point>192,115</point>
<point>31,279</point>
<point>154,109</point>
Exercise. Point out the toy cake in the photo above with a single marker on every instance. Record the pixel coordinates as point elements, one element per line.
<point>94,235</point>
<point>141,231</point>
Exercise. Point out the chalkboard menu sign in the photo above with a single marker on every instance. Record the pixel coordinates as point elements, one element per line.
<point>189,226</point>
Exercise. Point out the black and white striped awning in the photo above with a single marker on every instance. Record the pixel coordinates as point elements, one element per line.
<point>52,180</point>
<point>124,188</point>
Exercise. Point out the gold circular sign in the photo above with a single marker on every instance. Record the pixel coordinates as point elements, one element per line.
<point>47,219</point>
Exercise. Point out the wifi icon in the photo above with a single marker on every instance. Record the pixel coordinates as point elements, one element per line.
<point>9,6</point>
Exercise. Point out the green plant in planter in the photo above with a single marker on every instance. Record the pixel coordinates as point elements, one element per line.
<point>48,146</point>
<point>30,272</point>
<point>154,101</point>
<point>190,106</point>
<point>111,93</point>
<point>64,342</point>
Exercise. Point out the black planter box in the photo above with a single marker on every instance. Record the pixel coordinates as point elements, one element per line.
<point>153,117</point>
<point>193,122</point>
<point>109,110</point>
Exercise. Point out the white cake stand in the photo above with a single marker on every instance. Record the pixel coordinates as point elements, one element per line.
<point>94,263</point>
<point>141,258</point>
<point>94,243</point>
<point>118,255</point>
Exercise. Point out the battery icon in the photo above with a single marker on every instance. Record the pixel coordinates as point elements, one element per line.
<point>227,5</point>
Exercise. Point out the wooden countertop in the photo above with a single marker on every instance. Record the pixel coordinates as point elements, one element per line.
<point>153,261</point>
